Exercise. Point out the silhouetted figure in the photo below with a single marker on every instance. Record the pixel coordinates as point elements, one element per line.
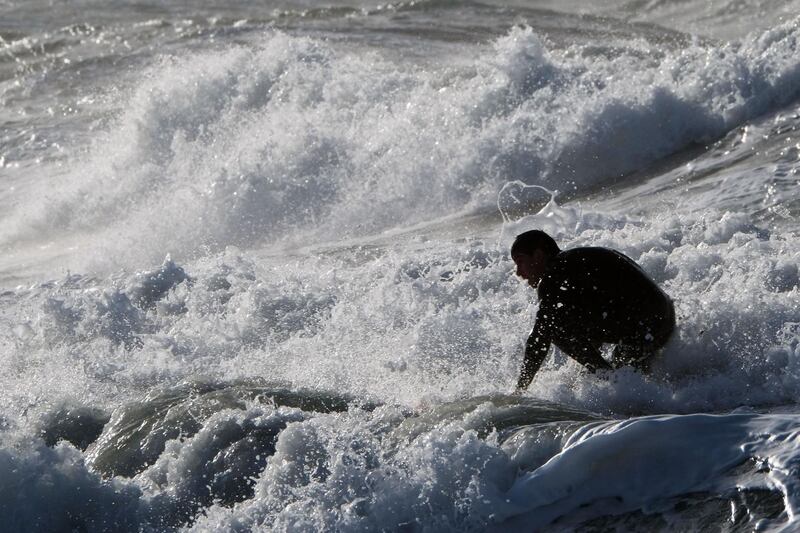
<point>587,297</point>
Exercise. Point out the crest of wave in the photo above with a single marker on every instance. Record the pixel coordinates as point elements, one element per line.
<point>297,138</point>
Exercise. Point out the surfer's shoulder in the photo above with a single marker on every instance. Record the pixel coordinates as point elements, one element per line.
<point>576,267</point>
<point>575,260</point>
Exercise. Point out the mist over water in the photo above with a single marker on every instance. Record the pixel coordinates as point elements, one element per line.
<point>254,268</point>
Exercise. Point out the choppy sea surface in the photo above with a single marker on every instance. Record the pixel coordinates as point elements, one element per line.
<point>254,270</point>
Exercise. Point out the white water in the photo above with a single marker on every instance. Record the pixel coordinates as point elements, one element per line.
<point>290,138</point>
<point>326,200</point>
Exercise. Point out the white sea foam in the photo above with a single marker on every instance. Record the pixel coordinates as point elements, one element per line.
<point>249,145</point>
<point>37,477</point>
<point>229,160</point>
<point>639,463</point>
<point>445,324</point>
<point>449,322</point>
<point>346,471</point>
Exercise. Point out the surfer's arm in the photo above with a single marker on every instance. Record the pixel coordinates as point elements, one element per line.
<point>536,349</point>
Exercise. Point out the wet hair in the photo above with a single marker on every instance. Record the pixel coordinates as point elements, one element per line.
<point>530,241</point>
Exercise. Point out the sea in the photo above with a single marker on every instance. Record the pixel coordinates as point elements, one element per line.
<point>254,266</point>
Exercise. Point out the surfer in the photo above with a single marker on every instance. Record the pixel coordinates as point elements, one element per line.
<point>587,297</point>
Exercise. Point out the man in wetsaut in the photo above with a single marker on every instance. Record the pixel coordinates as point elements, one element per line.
<point>588,297</point>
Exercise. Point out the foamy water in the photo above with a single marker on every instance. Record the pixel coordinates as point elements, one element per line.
<point>255,268</point>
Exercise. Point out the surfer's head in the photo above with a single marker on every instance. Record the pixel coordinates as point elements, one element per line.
<point>531,253</point>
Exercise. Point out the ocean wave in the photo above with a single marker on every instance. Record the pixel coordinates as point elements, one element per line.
<point>473,464</point>
<point>296,138</point>
<point>422,329</point>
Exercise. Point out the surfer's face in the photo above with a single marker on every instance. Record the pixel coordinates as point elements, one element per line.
<point>531,267</point>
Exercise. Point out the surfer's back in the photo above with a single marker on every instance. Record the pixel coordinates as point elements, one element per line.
<point>601,292</point>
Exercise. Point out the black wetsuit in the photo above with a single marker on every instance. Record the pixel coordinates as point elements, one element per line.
<point>591,296</point>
